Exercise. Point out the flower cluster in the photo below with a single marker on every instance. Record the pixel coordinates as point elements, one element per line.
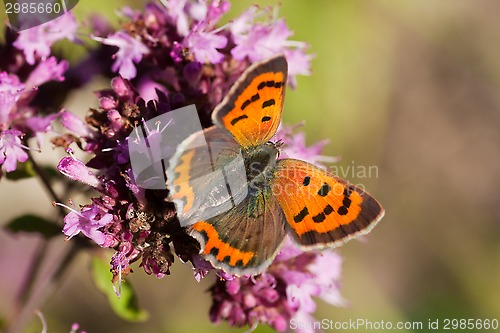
<point>284,292</point>
<point>20,78</point>
<point>169,55</point>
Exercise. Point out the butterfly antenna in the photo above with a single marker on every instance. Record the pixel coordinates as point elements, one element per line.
<point>278,144</point>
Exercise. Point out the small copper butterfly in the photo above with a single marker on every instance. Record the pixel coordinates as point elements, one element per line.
<point>283,197</point>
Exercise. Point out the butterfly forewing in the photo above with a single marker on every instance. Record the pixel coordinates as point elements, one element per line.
<point>251,111</point>
<point>322,209</point>
<point>198,175</point>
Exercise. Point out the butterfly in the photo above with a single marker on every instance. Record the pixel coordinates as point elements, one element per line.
<point>240,201</point>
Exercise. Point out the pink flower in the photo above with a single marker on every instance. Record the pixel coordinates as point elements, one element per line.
<point>77,170</point>
<point>88,222</point>
<point>11,149</point>
<point>204,46</point>
<point>10,91</point>
<point>176,10</point>
<point>216,10</point>
<point>201,267</point>
<point>261,42</point>
<point>294,146</point>
<point>299,63</point>
<point>40,125</point>
<point>258,41</point>
<point>284,292</point>
<point>47,70</point>
<point>75,125</point>
<point>243,23</point>
<point>130,51</point>
<point>38,40</point>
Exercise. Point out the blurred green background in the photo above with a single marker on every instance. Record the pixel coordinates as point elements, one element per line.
<point>411,87</point>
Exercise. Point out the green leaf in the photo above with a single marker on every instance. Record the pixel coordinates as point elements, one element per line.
<point>126,306</point>
<point>23,171</point>
<point>34,224</point>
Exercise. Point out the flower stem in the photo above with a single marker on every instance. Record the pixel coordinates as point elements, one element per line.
<point>46,183</point>
<point>46,286</point>
<point>37,288</point>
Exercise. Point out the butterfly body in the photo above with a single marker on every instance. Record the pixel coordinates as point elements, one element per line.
<point>242,222</point>
<point>260,163</point>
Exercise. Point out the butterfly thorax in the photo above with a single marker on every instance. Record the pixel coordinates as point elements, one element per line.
<point>260,162</point>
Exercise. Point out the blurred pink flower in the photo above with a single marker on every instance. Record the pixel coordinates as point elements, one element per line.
<point>47,70</point>
<point>38,40</point>
<point>294,146</point>
<point>204,46</point>
<point>10,91</point>
<point>11,149</point>
<point>130,51</point>
<point>75,124</point>
<point>40,125</point>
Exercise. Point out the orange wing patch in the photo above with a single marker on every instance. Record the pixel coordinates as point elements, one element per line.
<point>252,110</point>
<point>219,249</point>
<point>322,209</point>
<point>182,191</point>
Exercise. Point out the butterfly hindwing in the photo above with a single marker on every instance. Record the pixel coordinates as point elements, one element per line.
<point>194,174</point>
<point>246,239</point>
<point>251,111</point>
<point>322,209</point>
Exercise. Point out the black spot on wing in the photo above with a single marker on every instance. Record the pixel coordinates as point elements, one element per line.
<point>235,120</point>
<point>306,181</point>
<point>245,104</point>
<point>319,218</point>
<point>323,191</point>
<point>269,102</point>
<point>328,210</point>
<point>269,84</point>
<point>342,210</point>
<point>249,101</point>
<point>255,97</point>
<point>214,251</point>
<point>300,216</point>
<point>346,202</point>
<point>266,118</point>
